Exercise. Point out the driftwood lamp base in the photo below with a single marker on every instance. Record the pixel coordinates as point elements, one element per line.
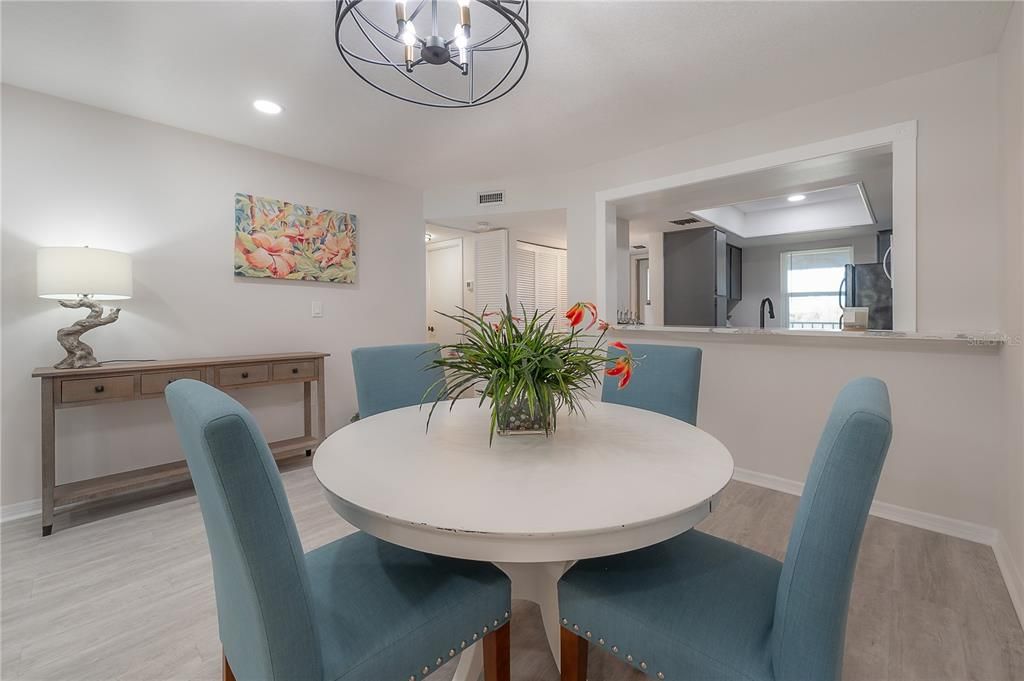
<point>80,354</point>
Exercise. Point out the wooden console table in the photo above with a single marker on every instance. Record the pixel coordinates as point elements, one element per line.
<point>118,382</point>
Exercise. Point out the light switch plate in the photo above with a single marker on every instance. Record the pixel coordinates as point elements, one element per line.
<point>318,309</point>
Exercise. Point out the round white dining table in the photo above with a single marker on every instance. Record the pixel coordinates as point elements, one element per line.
<point>617,480</point>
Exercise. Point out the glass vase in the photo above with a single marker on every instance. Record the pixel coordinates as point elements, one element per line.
<point>514,418</point>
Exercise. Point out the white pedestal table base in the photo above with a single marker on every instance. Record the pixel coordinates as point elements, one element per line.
<point>535,582</point>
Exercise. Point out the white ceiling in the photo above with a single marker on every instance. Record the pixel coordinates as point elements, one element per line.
<point>846,191</point>
<point>872,167</point>
<point>826,209</point>
<point>605,78</point>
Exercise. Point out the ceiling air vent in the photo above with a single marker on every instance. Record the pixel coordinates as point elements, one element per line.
<point>685,221</point>
<point>495,198</point>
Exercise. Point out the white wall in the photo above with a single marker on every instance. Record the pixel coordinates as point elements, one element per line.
<point>767,400</point>
<point>76,175</point>
<point>1011,132</point>
<point>762,276</point>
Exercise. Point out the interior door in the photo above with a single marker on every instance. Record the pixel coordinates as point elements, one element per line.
<point>444,290</point>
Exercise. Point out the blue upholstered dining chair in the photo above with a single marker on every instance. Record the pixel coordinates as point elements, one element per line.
<point>667,381</point>
<point>394,376</point>
<point>699,607</point>
<point>355,609</point>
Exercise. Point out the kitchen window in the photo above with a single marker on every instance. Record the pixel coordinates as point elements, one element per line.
<point>810,287</point>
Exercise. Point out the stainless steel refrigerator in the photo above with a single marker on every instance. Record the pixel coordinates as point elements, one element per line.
<point>869,286</point>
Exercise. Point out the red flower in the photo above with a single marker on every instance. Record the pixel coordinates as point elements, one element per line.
<point>620,366</point>
<point>623,369</point>
<point>579,311</point>
<point>602,325</point>
<point>623,365</point>
<point>575,315</point>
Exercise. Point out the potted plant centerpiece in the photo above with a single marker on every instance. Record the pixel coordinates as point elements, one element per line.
<point>529,367</point>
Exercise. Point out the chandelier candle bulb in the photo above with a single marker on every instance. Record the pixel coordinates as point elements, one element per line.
<point>409,57</point>
<point>409,34</point>
<point>464,14</point>
<point>400,13</point>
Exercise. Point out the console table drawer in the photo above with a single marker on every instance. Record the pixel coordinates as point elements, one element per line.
<point>154,384</point>
<point>91,389</point>
<point>286,370</point>
<point>243,375</point>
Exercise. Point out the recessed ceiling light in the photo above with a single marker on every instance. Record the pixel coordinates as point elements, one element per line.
<point>268,107</point>
<point>793,198</point>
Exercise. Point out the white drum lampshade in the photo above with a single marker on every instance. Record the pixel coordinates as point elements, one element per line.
<point>69,272</point>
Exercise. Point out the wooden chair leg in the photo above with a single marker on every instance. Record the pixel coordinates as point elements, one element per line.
<point>228,674</point>
<point>498,654</point>
<point>574,656</point>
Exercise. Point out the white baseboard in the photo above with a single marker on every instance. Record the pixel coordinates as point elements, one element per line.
<point>1011,574</point>
<point>960,529</point>
<point>927,521</point>
<point>22,509</point>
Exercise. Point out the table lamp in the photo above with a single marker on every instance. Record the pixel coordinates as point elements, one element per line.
<point>78,277</point>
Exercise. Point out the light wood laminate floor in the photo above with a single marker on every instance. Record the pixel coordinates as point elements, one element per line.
<point>130,596</point>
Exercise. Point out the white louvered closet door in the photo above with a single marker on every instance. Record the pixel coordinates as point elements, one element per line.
<point>526,272</point>
<point>541,279</point>
<point>491,283</point>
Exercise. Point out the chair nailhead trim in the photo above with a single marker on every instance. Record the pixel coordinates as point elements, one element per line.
<point>660,675</point>
<point>426,670</point>
<point>495,623</point>
<point>565,621</point>
<point>615,649</point>
<point>485,628</point>
<point>412,678</point>
<point>600,641</point>
<point>643,665</point>
<point>438,661</point>
<point>629,658</point>
<point>575,627</point>
<point>451,652</point>
<point>589,635</point>
<point>462,645</point>
<point>506,613</point>
<point>476,636</point>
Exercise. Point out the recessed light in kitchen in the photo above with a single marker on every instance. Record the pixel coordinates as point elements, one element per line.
<point>793,198</point>
<point>268,107</point>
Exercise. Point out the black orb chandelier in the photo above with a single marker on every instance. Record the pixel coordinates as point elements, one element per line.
<point>405,49</point>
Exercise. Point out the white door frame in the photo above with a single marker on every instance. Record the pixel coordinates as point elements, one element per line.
<point>902,137</point>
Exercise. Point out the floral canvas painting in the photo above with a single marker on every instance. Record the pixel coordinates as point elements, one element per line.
<point>285,240</point>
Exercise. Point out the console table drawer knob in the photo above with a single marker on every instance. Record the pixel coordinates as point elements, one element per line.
<point>245,374</point>
<point>99,388</point>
